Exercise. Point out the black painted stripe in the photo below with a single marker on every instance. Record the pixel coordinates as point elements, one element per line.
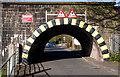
<point>106,59</point>
<point>105,51</point>
<point>46,26</point>
<point>97,37</point>
<point>39,30</point>
<point>78,22</point>
<point>102,44</point>
<point>61,21</point>
<point>53,22</point>
<point>28,43</point>
<point>25,51</point>
<point>92,30</point>
<point>85,25</point>
<point>69,21</point>
<point>24,60</point>
<point>33,36</point>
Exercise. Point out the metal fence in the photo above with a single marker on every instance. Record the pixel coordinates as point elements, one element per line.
<point>9,65</point>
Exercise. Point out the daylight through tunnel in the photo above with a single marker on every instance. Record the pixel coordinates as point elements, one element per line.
<point>33,51</point>
<point>38,46</point>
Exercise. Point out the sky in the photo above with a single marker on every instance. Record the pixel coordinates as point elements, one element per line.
<point>61,0</point>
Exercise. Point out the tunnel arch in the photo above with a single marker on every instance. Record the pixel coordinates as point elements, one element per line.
<point>84,29</point>
<point>40,42</point>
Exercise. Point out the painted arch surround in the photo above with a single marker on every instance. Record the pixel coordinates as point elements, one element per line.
<point>63,22</point>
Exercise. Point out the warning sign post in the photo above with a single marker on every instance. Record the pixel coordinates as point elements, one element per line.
<point>61,14</point>
<point>72,14</point>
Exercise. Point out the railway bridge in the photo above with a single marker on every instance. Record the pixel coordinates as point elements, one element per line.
<point>96,28</point>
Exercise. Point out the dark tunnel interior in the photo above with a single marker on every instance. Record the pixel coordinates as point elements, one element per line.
<point>36,53</point>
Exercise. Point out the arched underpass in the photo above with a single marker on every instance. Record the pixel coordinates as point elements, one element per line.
<point>34,48</point>
<point>38,46</point>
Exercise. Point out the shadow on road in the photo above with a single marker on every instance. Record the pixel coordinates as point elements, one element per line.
<point>57,55</point>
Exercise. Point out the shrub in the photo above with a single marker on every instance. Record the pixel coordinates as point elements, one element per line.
<point>115,56</point>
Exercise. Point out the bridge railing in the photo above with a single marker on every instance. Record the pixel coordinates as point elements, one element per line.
<point>10,63</point>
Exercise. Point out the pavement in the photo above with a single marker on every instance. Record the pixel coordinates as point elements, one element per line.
<point>109,66</point>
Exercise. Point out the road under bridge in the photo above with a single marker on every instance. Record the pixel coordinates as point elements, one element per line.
<point>60,61</point>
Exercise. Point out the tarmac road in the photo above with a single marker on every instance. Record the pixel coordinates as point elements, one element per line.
<point>63,61</point>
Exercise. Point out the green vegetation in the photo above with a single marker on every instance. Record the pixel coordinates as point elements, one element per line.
<point>103,14</point>
<point>57,39</point>
<point>115,57</point>
<point>60,39</point>
<point>68,40</point>
<point>4,71</point>
<point>78,47</point>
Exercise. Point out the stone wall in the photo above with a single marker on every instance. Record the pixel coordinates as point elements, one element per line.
<point>12,18</point>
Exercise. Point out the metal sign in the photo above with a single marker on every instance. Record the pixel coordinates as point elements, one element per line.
<point>27,18</point>
<point>72,14</point>
<point>61,14</point>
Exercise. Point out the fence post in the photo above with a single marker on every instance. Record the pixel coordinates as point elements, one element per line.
<point>11,62</point>
<point>13,65</point>
<point>8,68</point>
<point>46,16</point>
<point>20,53</point>
<point>85,16</point>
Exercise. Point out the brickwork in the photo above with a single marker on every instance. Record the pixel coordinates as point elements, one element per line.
<point>12,18</point>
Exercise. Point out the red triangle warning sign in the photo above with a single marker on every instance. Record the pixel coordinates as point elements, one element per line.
<point>61,14</point>
<point>72,14</point>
